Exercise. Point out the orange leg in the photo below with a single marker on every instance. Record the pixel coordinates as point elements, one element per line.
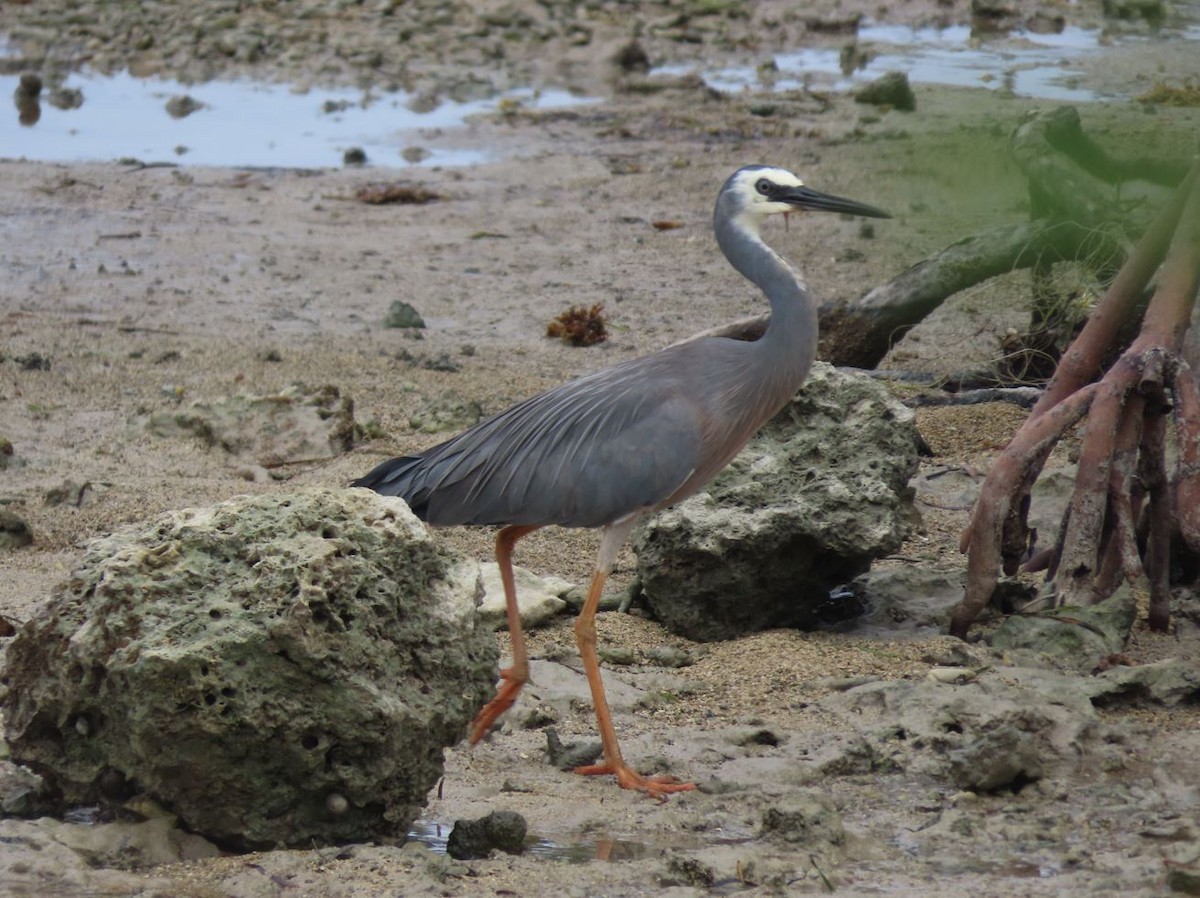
<point>511,678</point>
<point>627,777</point>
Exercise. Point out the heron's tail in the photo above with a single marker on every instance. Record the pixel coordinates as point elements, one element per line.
<point>391,478</point>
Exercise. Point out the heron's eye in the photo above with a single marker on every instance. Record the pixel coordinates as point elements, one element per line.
<point>764,186</point>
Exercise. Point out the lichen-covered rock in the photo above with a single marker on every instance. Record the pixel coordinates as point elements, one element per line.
<point>272,669</point>
<point>806,506</point>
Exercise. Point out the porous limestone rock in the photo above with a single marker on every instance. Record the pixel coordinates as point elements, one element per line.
<point>819,493</point>
<point>271,669</point>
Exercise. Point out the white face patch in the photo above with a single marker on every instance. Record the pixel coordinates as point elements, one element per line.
<point>755,205</point>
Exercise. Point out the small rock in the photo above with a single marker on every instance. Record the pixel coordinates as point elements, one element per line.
<point>65,98</point>
<point>570,755</point>
<point>670,656</point>
<point>401,314</point>
<point>632,57</point>
<point>537,599</point>
<point>354,156</point>
<point>891,89</point>
<point>182,105</point>
<point>299,424</point>
<point>687,869</point>
<point>990,11</point>
<point>1071,638</point>
<point>950,675</point>
<point>1170,682</point>
<point>617,654</point>
<point>14,532</point>
<point>29,84</point>
<point>475,839</point>
<point>1042,22</point>
<point>33,361</point>
<point>1184,879</point>
<point>906,597</point>
<point>46,857</point>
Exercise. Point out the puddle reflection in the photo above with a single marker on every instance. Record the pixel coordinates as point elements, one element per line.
<point>1039,65</point>
<point>581,851</point>
<point>231,123</point>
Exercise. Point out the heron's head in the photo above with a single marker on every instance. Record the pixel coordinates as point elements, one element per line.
<point>757,191</point>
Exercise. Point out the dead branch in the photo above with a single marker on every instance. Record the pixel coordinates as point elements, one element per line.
<point>860,333</point>
<point>1077,213</point>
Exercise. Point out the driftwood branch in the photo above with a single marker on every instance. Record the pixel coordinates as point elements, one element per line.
<point>1077,214</point>
<point>861,333</point>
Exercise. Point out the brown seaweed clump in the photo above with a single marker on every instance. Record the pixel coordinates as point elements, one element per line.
<point>379,194</point>
<point>1163,94</point>
<point>580,326</point>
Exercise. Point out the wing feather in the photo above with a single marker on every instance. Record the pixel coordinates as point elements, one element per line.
<point>580,455</point>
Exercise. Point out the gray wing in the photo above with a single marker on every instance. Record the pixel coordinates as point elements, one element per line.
<point>580,455</point>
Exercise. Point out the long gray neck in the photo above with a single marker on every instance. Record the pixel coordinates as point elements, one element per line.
<point>787,349</point>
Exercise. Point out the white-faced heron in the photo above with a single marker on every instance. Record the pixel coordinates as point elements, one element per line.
<point>609,448</point>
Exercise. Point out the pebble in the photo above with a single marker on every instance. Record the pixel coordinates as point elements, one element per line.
<point>950,675</point>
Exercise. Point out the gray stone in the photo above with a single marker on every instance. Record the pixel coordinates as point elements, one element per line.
<point>14,531</point>
<point>402,314</point>
<point>806,506</point>
<point>183,105</point>
<point>891,89</point>
<point>908,597</point>
<point>268,651</point>
<point>297,425</point>
<point>46,857</point>
<point>1070,638</point>
<point>537,597</point>
<point>130,846</point>
<point>1170,682</point>
<point>569,755</point>
<point>669,656</point>
<point>473,839</point>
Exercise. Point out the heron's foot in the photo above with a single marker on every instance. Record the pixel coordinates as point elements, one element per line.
<point>511,682</point>
<point>627,778</point>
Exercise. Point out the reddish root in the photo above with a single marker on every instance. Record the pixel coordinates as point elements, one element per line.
<point>1122,463</point>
